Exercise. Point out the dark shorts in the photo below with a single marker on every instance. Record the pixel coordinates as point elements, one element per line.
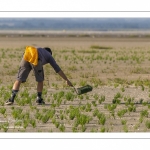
<point>26,67</point>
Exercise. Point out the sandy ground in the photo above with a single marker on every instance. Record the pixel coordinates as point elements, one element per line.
<point>106,70</point>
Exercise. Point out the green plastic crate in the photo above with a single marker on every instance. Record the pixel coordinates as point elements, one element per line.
<point>84,89</point>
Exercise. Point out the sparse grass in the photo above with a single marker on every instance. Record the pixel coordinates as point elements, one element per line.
<point>118,69</point>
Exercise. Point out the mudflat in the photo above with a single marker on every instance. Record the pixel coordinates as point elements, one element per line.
<point>116,67</point>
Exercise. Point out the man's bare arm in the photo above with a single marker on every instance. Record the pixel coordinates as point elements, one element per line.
<point>61,73</point>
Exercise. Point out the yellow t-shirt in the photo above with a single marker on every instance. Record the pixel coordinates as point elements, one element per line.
<point>31,55</point>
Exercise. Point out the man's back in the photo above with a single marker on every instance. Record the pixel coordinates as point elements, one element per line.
<point>46,57</point>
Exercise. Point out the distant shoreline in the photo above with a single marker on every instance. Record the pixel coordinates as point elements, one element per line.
<point>73,33</point>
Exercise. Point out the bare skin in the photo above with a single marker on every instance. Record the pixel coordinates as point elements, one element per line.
<point>39,86</point>
<point>16,85</point>
<point>61,73</point>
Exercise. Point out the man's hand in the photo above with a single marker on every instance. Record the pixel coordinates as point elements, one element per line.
<point>68,83</point>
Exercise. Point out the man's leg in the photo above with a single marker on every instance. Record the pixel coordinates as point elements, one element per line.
<point>40,86</point>
<point>22,75</point>
<point>39,89</point>
<point>16,85</point>
<point>15,90</point>
<point>39,75</point>
<point>39,100</point>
